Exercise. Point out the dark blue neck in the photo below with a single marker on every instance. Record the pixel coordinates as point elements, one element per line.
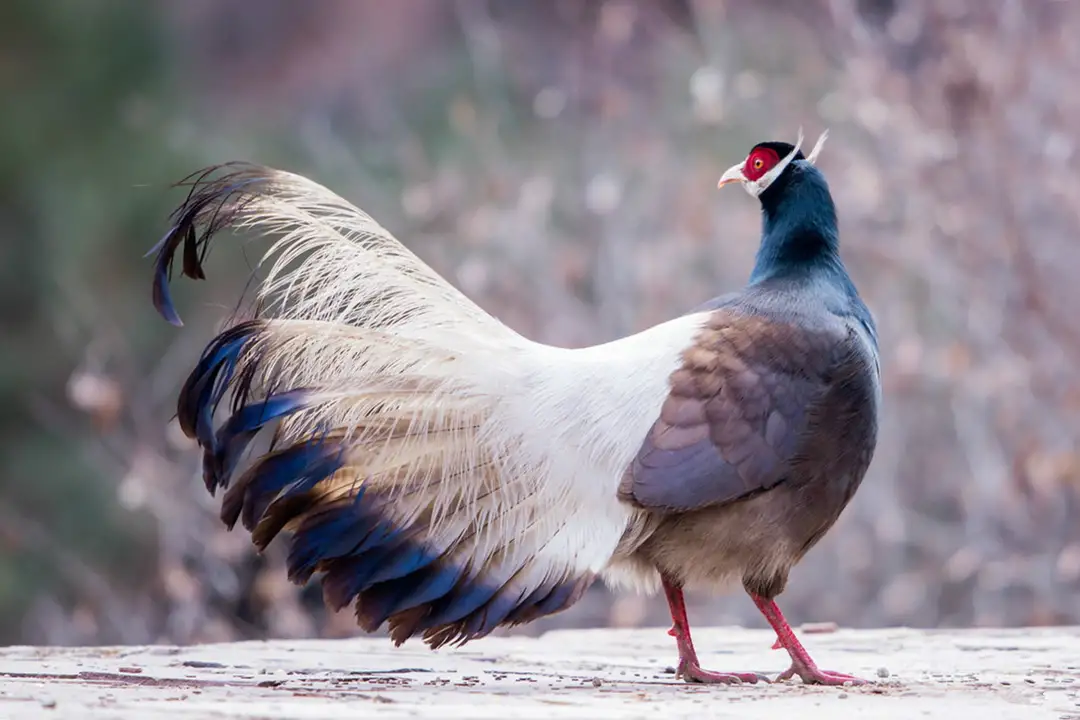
<point>799,233</point>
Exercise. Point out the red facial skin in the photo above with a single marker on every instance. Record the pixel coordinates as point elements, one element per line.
<point>759,162</point>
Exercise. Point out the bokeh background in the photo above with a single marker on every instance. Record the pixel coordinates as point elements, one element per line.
<point>557,160</point>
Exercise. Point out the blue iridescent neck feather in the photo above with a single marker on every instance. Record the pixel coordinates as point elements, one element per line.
<point>799,229</point>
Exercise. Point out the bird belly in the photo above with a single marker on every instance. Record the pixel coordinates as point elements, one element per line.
<point>715,548</point>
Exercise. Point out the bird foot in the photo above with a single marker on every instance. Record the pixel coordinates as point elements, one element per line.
<point>812,675</point>
<point>694,673</point>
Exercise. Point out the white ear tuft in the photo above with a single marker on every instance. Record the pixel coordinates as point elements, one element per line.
<point>812,157</point>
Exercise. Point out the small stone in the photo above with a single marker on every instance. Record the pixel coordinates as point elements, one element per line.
<point>883,672</point>
<point>597,682</point>
<point>819,628</point>
<point>203,664</point>
<point>842,696</point>
<point>48,703</point>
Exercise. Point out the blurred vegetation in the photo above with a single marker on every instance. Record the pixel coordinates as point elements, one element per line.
<point>556,160</point>
<point>86,90</point>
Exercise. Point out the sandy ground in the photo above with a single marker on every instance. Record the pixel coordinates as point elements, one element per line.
<point>981,674</point>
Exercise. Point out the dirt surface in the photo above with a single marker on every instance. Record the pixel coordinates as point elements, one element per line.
<point>1021,674</point>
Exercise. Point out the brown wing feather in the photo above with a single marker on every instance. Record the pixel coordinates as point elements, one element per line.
<point>738,407</point>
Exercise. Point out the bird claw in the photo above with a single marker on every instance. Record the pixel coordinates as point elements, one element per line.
<point>815,676</point>
<point>696,674</point>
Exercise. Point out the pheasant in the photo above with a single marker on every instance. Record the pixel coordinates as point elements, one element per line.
<point>446,476</point>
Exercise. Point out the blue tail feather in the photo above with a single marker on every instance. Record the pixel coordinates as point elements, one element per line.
<point>187,220</point>
<point>382,533</point>
<point>483,622</point>
<point>207,384</point>
<point>212,374</point>
<point>349,576</point>
<point>352,539</point>
<point>409,593</point>
<point>564,595</point>
<point>162,296</point>
<point>347,529</point>
<point>278,475</point>
<point>479,606</point>
<point>335,533</point>
<point>391,574</point>
<point>259,496</point>
<point>408,560</point>
<point>233,438</point>
<point>467,597</point>
<point>526,609</point>
<point>354,574</point>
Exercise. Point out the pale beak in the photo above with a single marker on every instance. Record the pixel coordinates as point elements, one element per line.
<point>733,174</point>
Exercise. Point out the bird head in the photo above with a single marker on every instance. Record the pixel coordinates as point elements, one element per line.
<point>766,162</point>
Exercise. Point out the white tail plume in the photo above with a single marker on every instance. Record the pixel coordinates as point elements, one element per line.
<point>442,472</point>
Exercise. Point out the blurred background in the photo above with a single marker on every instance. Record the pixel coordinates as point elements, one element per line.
<point>557,160</point>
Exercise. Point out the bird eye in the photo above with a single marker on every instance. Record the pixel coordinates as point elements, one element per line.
<point>758,163</point>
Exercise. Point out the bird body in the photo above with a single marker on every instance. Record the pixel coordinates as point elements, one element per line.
<point>447,475</point>
<point>755,519</point>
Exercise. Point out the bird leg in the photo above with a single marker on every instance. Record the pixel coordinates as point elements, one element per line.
<point>801,662</point>
<point>689,667</point>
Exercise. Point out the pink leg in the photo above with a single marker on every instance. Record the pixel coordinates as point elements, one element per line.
<point>801,662</point>
<point>689,668</point>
